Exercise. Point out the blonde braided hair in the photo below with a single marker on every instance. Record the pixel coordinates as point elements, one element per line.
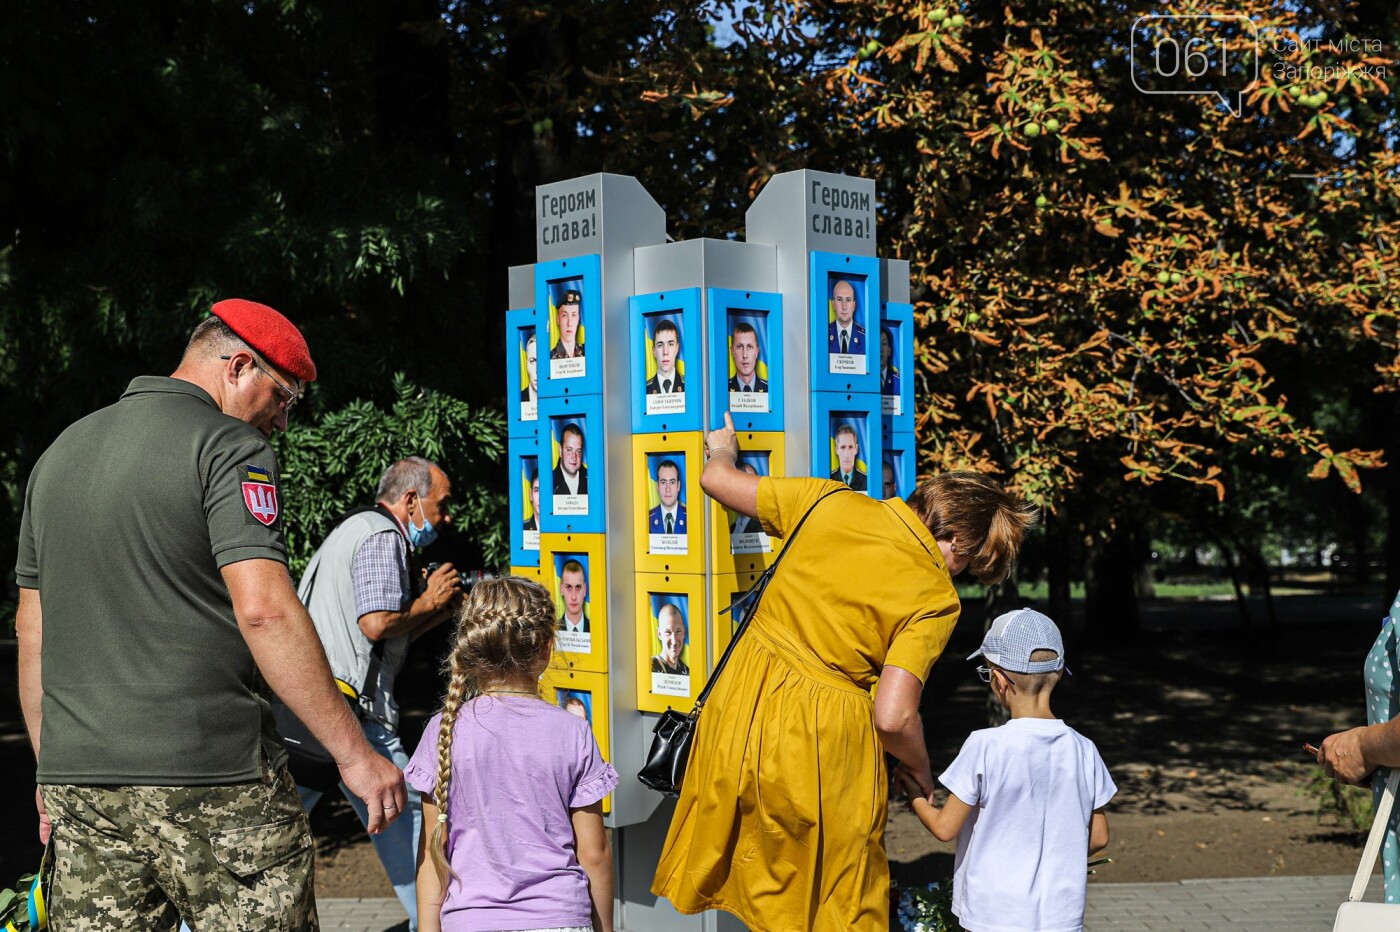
<point>504,629</point>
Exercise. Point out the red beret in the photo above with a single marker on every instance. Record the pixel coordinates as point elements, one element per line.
<point>271,334</point>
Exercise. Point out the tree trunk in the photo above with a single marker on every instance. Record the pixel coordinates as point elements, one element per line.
<point>1232,564</point>
<point>1111,611</point>
<point>1145,581</point>
<point>1057,569</point>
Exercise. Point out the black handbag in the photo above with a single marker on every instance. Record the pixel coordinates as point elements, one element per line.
<point>671,738</point>
<point>311,765</point>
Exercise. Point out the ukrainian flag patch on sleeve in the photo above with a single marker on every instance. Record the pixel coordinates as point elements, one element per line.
<point>259,494</point>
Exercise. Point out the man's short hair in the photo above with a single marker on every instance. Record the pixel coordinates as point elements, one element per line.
<point>662,612</point>
<point>848,429</point>
<point>667,463</point>
<point>572,566</point>
<point>213,337</point>
<point>570,428</point>
<point>744,327</point>
<point>530,339</point>
<point>667,324</point>
<point>411,472</point>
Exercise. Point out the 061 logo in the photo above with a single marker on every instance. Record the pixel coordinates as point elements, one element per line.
<point>1215,54</point>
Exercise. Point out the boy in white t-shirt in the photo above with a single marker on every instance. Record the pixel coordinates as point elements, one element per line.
<point>1025,800</point>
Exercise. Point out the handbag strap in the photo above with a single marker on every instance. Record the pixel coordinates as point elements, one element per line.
<point>755,594</point>
<point>1373,841</point>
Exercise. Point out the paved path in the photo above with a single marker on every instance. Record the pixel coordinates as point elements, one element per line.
<point>1260,904</point>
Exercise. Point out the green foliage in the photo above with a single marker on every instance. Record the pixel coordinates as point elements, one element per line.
<point>333,464</point>
<point>927,909</point>
<point>14,904</point>
<point>1349,805</point>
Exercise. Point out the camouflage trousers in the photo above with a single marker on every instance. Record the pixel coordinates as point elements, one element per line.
<point>234,857</point>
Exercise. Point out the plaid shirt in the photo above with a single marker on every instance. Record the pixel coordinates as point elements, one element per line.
<point>380,572</point>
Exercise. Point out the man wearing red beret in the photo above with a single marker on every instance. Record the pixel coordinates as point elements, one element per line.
<point>154,604</point>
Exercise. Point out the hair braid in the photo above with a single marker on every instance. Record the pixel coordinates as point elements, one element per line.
<point>461,689</point>
<point>504,628</point>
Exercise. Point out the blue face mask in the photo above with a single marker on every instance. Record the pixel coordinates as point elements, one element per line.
<point>421,536</point>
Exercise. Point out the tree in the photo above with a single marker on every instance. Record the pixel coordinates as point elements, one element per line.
<point>1115,292</point>
<point>1109,286</point>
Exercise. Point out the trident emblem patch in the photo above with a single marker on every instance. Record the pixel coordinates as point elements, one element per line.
<point>261,499</point>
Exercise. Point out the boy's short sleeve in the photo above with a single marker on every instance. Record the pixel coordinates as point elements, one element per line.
<point>783,502</point>
<point>964,776</point>
<point>1104,787</point>
<point>243,500</point>
<point>597,778</point>
<point>421,772</point>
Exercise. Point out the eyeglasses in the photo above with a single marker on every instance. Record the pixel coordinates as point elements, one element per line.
<point>292,396</point>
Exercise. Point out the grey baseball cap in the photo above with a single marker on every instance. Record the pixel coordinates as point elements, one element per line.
<point>1015,636</point>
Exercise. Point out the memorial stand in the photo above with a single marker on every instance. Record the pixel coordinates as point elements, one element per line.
<point>622,349</point>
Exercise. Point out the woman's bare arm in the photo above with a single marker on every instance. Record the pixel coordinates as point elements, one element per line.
<point>722,479</point>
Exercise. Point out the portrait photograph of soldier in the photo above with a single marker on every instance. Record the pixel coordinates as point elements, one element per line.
<point>670,671</point>
<point>748,386</point>
<point>889,372</point>
<point>569,481</point>
<point>530,392</point>
<point>846,456</point>
<point>890,486</point>
<point>572,632</point>
<point>735,615</point>
<point>530,504</point>
<point>746,534</point>
<point>576,702</point>
<point>566,316</point>
<point>845,332</point>
<point>667,527</point>
<point>665,384</point>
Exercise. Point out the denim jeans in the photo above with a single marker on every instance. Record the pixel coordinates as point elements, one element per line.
<point>397,845</point>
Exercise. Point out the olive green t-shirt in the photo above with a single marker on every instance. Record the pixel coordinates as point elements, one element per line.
<point>128,518</point>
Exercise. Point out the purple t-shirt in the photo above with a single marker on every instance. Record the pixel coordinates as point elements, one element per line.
<point>518,766</point>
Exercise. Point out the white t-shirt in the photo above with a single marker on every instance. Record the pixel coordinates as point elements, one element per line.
<point>1021,865</point>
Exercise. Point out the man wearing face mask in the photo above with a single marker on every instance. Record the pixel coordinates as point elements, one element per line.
<point>360,591</point>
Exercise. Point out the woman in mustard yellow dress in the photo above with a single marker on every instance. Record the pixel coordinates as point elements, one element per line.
<point>781,817</point>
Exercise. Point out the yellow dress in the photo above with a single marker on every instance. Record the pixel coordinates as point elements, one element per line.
<point>781,817</point>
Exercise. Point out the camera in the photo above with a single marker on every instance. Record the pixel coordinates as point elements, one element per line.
<point>465,578</point>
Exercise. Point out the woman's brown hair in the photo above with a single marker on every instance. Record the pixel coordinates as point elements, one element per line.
<point>504,629</point>
<point>988,521</point>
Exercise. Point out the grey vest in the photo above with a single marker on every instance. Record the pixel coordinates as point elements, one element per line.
<point>328,591</point>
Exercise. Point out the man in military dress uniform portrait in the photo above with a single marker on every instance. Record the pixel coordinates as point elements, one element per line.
<point>743,346</point>
<point>844,335</point>
<point>846,449</point>
<point>669,516</point>
<point>567,318</point>
<point>665,343</point>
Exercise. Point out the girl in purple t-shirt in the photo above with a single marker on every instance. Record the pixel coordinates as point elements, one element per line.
<point>516,785</point>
